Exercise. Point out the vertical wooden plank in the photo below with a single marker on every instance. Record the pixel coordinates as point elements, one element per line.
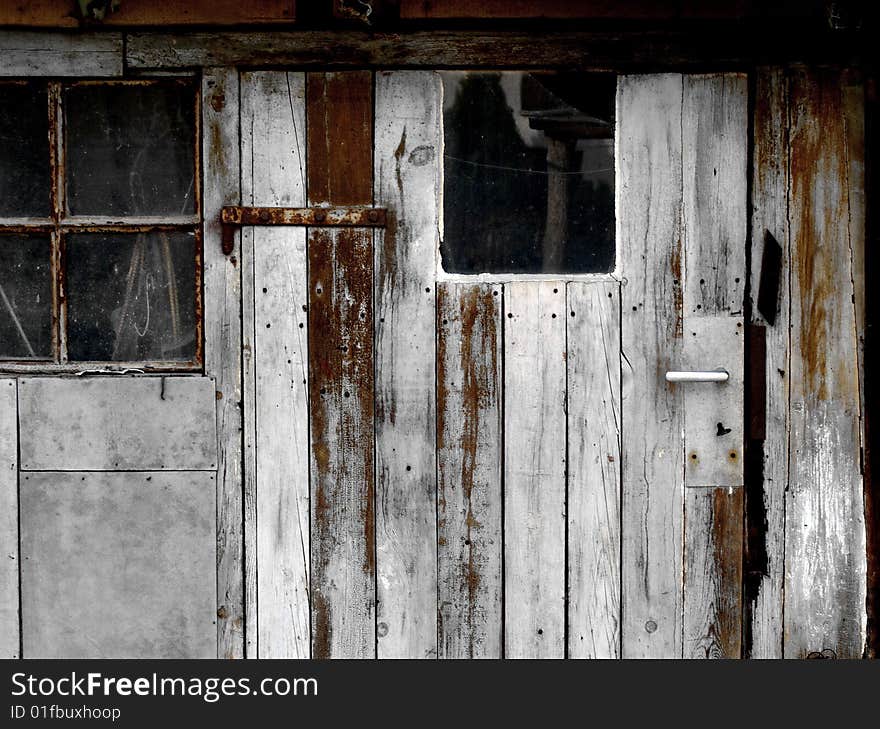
<point>469,470</point>
<point>275,292</point>
<point>340,134</point>
<point>825,571</point>
<point>648,178</point>
<point>593,363</point>
<point>10,625</point>
<point>534,469</point>
<point>766,496</point>
<point>341,391</point>
<point>222,297</point>
<point>341,369</point>
<point>714,203</point>
<point>407,165</point>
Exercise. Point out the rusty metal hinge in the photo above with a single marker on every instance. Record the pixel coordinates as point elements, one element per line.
<point>232,216</point>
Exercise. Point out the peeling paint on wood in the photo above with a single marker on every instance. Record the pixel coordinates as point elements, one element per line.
<point>766,496</point>
<point>9,613</point>
<point>470,496</point>
<point>407,120</point>
<point>222,327</point>
<point>648,184</point>
<point>534,469</point>
<point>594,433</point>
<point>275,298</point>
<point>825,578</point>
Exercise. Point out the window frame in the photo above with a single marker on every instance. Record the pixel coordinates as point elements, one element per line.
<point>59,225</point>
<point>500,277</point>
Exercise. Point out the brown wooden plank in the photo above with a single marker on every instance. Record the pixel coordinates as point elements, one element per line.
<point>825,570</point>
<point>61,14</point>
<point>469,469</point>
<point>767,481</point>
<point>341,390</point>
<point>632,10</point>
<point>339,111</point>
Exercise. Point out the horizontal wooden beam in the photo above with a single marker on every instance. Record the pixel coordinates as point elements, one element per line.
<point>60,54</point>
<point>611,50</point>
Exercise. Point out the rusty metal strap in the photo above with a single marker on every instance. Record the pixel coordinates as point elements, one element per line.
<point>233,215</point>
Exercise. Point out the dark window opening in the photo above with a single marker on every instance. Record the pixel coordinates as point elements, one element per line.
<point>528,172</point>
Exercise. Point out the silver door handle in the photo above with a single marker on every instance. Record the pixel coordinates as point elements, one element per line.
<point>698,376</point>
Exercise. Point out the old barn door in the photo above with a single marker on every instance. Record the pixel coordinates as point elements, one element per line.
<point>682,150</point>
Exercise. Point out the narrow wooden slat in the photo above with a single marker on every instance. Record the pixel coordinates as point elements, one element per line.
<point>407,167</point>
<point>714,205</point>
<point>593,362</point>
<point>713,572</point>
<point>222,326</point>
<point>341,393</point>
<point>26,53</point>
<point>340,123</point>
<point>469,470</point>
<point>825,579</point>
<point>534,469</point>
<point>10,625</point>
<point>273,174</point>
<point>648,184</point>
<point>766,496</point>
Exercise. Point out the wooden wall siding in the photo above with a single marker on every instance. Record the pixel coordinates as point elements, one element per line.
<point>222,326</point>
<point>766,528</point>
<point>648,179</point>
<point>593,505</point>
<point>9,614</point>
<point>714,222</point>
<point>407,164</point>
<point>469,466</point>
<point>60,13</point>
<point>534,469</point>
<point>54,54</point>
<point>341,368</point>
<point>76,424</point>
<point>275,298</point>
<point>825,532</point>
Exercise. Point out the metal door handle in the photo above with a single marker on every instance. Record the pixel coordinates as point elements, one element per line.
<point>719,375</point>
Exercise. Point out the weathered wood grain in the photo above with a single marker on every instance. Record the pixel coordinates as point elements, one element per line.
<point>593,363</point>
<point>766,496</point>
<point>714,226</point>
<point>222,326</point>
<point>825,579</point>
<point>118,565</point>
<point>534,469</point>
<point>340,136</point>
<point>10,625</point>
<point>407,170</point>
<point>77,424</point>
<point>648,184</point>
<point>274,291</point>
<point>469,331</point>
<point>35,53</point>
<point>341,389</point>
<point>713,572</point>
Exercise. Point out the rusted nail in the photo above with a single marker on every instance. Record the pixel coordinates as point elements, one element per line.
<point>264,216</point>
<point>228,239</point>
<point>373,216</point>
<point>319,216</point>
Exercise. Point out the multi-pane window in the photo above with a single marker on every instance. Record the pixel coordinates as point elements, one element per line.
<point>99,224</point>
<point>528,171</point>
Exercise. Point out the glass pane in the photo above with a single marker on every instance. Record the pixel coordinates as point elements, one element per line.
<point>130,149</point>
<point>528,172</point>
<point>131,296</point>
<point>25,297</point>
<point>24,151</point>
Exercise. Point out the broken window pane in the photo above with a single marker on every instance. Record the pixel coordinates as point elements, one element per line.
<point>130,149</point>
<point>131,296</point>
<point>528,172</point>
<point>25,297</point>
<point>24,151</point>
